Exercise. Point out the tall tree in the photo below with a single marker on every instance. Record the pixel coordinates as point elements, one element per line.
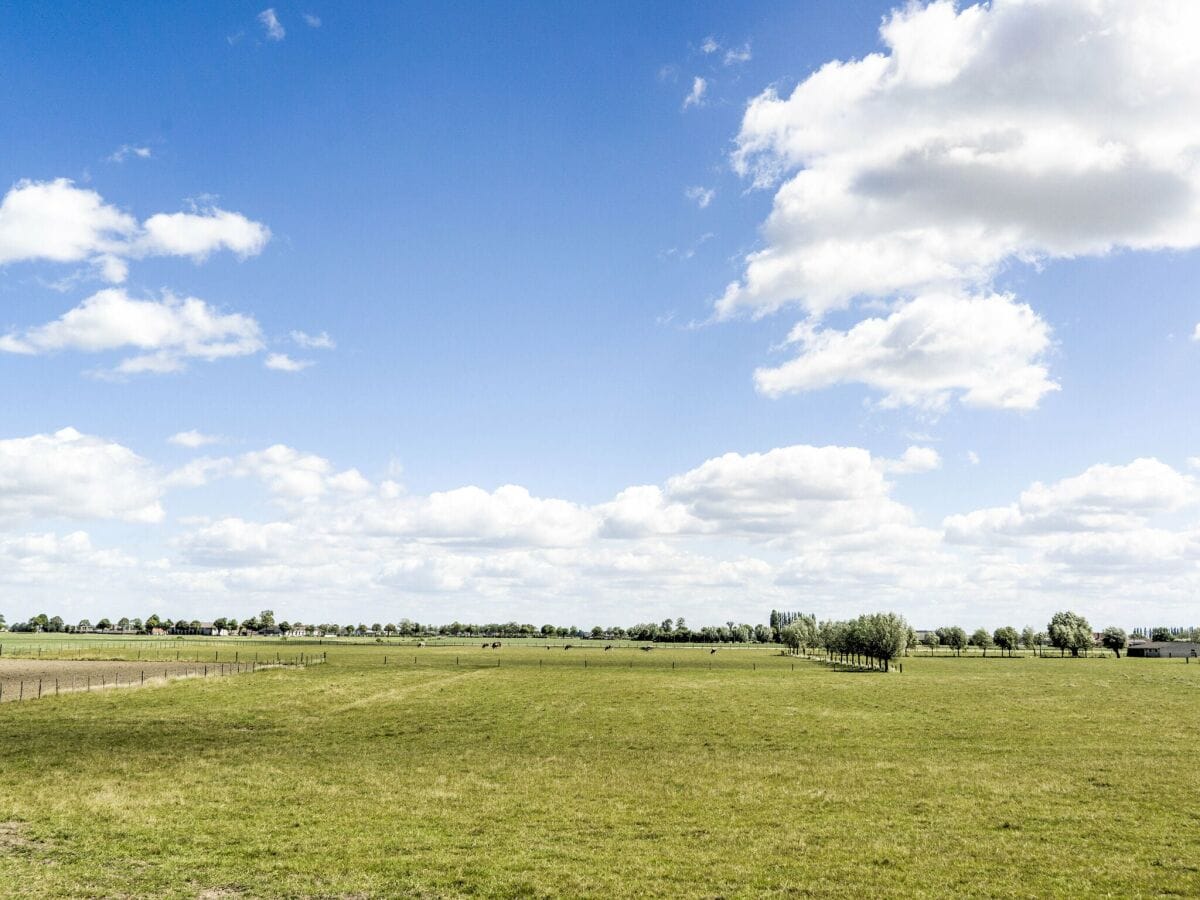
<point>982,639</point>
<point>1006,638</point>
<point>1070,631</point>
<point>954,638</point>
<point>1115,639</point>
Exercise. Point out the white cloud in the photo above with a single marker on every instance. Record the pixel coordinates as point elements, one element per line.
<point>320,341</point>
<point>709,46</point>
<point>68,475</point>
<point>125,151</point>
<point>973,457</point>
<point>782,493</point>
<point>1103,498</point>
<point>989,350</point>
<point>288,472</point>
<point>736,55</point>
<point>1196,333</point>
<point>272,27</point>
<point>732,537</point>
<point>281,362</point>
<point>696,96</point>
<point>1009,132</point>
<point>56,221</point>
<point>198,234</point>
<point>914,460</point>
<point>700,195</point>
<point>170,331</point>
<point>193,439</point>
<point>311,20</point>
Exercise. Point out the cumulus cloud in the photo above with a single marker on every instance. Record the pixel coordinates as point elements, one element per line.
<point>787,490</point>
<point>914,460</point>
<point>311,20</point>
<point>734,535</point>
<point>56,221</point>
<point>288,472</point>
<point>1101,499</point>
<point>281,362</point>
<point>695,97</point>
<point>199,234</point>
<point>193,439</point>
<point>988,350</point>
<point>1008,132</point>
<point>169,332</point>
<point>69,475</point>
<point>271,25</point>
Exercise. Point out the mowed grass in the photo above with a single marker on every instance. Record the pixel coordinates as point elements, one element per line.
<point>544,778</point>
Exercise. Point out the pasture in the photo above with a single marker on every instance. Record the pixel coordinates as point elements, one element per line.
<point>526,771</point>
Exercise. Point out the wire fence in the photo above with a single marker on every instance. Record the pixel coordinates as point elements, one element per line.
<point>64,676</point>
<point>157,653</point>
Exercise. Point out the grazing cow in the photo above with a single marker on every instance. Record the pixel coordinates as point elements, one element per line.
<point>712,651</point>
<point>609,647</point>
<point>495,645</point>
<point>568,647</point>
<point>420,643</point>
<point>647,649</point>
<point>485,646</point>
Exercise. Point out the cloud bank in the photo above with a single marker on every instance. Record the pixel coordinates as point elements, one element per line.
<point>806,527</point>
<point>1011,133</point>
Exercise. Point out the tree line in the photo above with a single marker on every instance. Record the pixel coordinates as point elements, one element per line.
<point>884,636</point>
<point>673,630</point>
<point>1066,632</point>
<point>878,635</point>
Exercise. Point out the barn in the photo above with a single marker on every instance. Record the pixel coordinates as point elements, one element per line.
<point>1165,649</point>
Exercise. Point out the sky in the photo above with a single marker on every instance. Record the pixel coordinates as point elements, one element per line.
<point>600,314</point>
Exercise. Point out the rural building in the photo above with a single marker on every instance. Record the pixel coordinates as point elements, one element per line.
<point>1164,649</point>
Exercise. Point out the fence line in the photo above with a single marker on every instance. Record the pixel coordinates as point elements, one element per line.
<point>47,685</point>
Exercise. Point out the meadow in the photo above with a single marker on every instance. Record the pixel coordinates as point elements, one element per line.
<point>451,770</point>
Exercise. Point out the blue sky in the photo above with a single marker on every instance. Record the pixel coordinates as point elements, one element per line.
<point>501,219</point>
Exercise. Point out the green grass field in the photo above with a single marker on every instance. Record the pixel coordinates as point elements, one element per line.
<point>539,777</point>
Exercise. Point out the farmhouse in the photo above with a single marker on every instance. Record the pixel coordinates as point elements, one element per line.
<point>1164,649</point>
